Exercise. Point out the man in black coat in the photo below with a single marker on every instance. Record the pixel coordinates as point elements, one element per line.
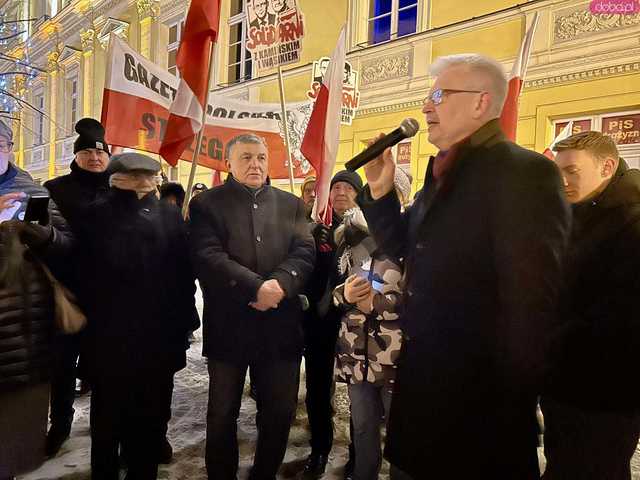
<point>73,193</point>
<point>483,243</point>
<point>592,406</point>
<point>141,307</point>
<point>253,254</point>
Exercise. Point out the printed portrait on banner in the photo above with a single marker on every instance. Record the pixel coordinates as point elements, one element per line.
<point>275,29</point>
<point>350,91</point>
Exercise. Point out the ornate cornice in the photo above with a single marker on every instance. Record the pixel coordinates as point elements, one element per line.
<point>364,112</point>
<point>571,24</point>
<point>603,72</point>
<point>386,68</point>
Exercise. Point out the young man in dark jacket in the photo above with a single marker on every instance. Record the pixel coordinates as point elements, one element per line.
<point>73,193</point>
<point>592,406</point>
<point>253,254</point>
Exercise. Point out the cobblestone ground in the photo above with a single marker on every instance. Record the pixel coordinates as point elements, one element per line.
<point>187,435</point>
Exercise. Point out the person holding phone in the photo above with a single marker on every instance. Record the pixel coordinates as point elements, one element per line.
<point>370,336</point>
<point>27,316</point>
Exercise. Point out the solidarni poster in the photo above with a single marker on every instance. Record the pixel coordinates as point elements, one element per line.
<point>275,29</point>
<point>350,91</point>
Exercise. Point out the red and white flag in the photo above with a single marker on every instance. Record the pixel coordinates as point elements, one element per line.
<point>216,179</point>
<point>564,133</point>
<point>185,119</point>
<point>509,116</point>
<point>321,139</point>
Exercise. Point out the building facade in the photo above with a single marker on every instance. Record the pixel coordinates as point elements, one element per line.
<point>583,67</point>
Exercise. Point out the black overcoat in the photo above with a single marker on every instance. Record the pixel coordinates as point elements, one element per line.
<point>240,238</point>
<point>483,256</point>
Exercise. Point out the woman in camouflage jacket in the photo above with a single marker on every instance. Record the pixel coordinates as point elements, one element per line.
<point>370,337</point>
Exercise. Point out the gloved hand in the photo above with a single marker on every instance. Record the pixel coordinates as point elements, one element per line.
<point>323,237</point>
<point>31,234</point>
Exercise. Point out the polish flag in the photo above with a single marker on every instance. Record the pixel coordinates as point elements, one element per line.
<point>564,133</point>
<point>216,179</point>
<point>185,119</point>
<point>509,116</point>
<point>321,139</point>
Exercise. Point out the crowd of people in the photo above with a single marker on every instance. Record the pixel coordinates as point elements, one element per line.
<point>509,281</point>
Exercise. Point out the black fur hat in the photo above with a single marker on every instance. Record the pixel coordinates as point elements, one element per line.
<point>91,136</point>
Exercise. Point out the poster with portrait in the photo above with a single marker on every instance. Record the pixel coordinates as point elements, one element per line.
<point>275,29</point>
<point>350,90</point>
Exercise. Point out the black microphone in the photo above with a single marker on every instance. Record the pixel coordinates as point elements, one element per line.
<point>407,129</point>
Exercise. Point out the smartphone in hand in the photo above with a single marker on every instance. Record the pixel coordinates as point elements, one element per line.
<point>37,210</point>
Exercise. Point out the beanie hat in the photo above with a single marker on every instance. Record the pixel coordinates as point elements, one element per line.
<point>5,131</point>
<point>352,178</point>
<point>91,136</point>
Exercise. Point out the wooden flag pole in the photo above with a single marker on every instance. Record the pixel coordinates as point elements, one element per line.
<point>286,129</point>
<point>196,151</point>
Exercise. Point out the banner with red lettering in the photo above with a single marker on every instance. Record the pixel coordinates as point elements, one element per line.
<point>275,32</point>
<point>135,109</point>
<point>350,91</point>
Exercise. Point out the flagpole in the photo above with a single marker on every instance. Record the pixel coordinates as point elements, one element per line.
<point>286,129</point>
<point>196,151</point>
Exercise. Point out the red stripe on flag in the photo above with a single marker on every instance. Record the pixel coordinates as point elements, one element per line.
<point>509,116</point>
<point>313,143</point>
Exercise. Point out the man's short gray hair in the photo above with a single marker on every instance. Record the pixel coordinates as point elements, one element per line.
<point>485,66</point>
<point>244,138</point>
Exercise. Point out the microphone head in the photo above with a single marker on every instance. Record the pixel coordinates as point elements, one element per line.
<point>409,127</point>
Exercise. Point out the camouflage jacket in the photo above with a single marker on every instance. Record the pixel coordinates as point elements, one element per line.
<point>369,345</point>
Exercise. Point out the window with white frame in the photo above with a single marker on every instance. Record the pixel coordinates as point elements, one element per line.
<point>623,127</point>
<point>38,119</point>
<point>239,66</point>
<point>390,19</point>
<point>71,99</point>
<point>175,34</point>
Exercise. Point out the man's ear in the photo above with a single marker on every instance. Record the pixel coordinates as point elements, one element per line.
<point>608,167</point>
<point>227,164</point>
<point>482,105</point>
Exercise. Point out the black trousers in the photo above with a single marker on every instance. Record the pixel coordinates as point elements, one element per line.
<point>131,412</point>
<point>320,336</point>
<point>588,445</point>
<point>66,349</point>
<point>276,383</point>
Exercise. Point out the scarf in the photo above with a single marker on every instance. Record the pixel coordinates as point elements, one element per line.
<point>142,184</point>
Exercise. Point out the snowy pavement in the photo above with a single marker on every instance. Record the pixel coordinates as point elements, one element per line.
<point>187,434</point>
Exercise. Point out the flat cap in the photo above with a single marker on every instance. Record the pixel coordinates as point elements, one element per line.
<point>128,162</point>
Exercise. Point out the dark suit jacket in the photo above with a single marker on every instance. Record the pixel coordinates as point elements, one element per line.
<point>239,239</point>
<point>483,257</point>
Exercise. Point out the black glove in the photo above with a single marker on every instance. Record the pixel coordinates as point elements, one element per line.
<point>323,237</point>
<point>31,234</point>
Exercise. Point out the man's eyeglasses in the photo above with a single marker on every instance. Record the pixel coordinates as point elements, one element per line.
<point>6,146</point>
<point>437,96</point>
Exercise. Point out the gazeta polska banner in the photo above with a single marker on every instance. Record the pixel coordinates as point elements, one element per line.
<point>350,89</point>
<point>135,109</point>
<point>275,29</point>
